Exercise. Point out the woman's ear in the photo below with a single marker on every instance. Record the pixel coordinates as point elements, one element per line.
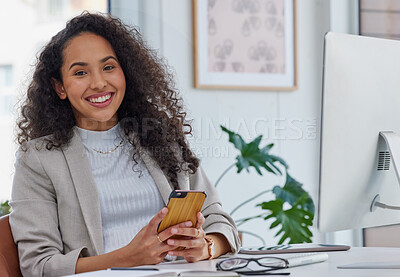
<point>59,88</point>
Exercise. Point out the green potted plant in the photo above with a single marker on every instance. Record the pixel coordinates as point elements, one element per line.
<point>293,222</point>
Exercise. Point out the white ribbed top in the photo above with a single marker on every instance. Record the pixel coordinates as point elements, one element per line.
<point>128,198</point>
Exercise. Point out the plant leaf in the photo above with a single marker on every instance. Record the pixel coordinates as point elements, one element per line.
<point>252,156</point>
<point>292,191</point>
<point>267,147</point>
<point>5,208</point>
<point>280,160</point>
<point>241,164</point>
<point>294,223</point>
<point>236,139</point>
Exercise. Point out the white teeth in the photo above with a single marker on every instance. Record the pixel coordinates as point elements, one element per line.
<point>100,99</point>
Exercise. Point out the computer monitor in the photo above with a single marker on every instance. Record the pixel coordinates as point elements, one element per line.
<point>361,98</point>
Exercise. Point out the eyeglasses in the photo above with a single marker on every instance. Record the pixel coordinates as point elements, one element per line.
<point>269,263</point>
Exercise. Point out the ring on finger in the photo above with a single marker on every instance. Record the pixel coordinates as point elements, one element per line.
<point>159,239</point>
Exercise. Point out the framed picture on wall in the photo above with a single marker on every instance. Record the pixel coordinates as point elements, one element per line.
<point>380,18</point>
<point>245,44</point>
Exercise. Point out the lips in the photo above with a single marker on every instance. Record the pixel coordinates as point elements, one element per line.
<point>100,99</point>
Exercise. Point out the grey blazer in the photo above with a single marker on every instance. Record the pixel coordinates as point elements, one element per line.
<point>56,212</point>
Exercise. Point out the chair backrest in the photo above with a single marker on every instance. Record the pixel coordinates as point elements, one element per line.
<point>9,263</point>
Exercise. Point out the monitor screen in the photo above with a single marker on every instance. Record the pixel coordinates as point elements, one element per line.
<point>361,98</point>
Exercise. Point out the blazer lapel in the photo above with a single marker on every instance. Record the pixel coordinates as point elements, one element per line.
<point>86,190</point>
<point>158,175</point>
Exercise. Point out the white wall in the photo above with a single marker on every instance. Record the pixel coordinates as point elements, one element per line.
<point>19,47</point>
<point>250,112</point>
<point>25,26</point>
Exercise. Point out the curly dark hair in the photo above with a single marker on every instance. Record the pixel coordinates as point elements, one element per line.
<point>150,114</point>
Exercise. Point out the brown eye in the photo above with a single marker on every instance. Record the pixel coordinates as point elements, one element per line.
<point>109,67</point>
<point>80,73</point>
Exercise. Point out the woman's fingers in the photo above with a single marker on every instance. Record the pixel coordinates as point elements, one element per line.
<point>200,220</point>
<point>195,250</point>
<point>153,224</point>
<point>174,230</point>
<point>187,243</point>
<point>165,248</point>
<point>184,229</point>
<point>185,233</point>
<point>182,239</point>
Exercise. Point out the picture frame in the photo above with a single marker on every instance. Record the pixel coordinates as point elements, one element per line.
<point>245,44</point>
<point>379,18</point>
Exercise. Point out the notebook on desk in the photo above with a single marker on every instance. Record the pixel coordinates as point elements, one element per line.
<point>196,273</point>
<point>305,258</point>
<point>293,248</point>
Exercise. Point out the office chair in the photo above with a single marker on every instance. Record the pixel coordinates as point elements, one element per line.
<point>9,263</point>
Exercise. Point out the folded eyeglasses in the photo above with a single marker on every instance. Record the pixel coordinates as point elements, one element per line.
<point>268,263</point>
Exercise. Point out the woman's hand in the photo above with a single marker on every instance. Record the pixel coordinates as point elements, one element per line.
<point>192,239</point>
<point>148,247</point>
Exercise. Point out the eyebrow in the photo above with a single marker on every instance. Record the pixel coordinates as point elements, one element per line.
<point>85,64</point>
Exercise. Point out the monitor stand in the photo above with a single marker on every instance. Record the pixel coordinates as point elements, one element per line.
<point>393,142</point>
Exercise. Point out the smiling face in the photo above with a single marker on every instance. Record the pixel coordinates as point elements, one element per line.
<point>93,81</point>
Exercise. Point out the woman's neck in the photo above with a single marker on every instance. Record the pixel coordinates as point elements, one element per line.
<point>92,125</point>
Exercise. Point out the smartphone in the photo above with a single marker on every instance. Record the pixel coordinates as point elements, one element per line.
<point>183,205</point>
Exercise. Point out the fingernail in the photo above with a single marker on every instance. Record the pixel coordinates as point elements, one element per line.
<point>171,242</point>
<point>174,230</point>
<point>164,210</point>
<point>189,223</point>
<point>171,253</point>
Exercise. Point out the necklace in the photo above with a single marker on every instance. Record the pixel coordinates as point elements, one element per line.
<point>112,150</point>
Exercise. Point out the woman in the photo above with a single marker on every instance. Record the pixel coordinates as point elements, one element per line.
<point>102,135</point>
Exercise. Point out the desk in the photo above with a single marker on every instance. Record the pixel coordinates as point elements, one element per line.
<point>324,269</point>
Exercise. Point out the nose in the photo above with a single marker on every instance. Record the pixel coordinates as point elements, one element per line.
<point>98,81</point>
